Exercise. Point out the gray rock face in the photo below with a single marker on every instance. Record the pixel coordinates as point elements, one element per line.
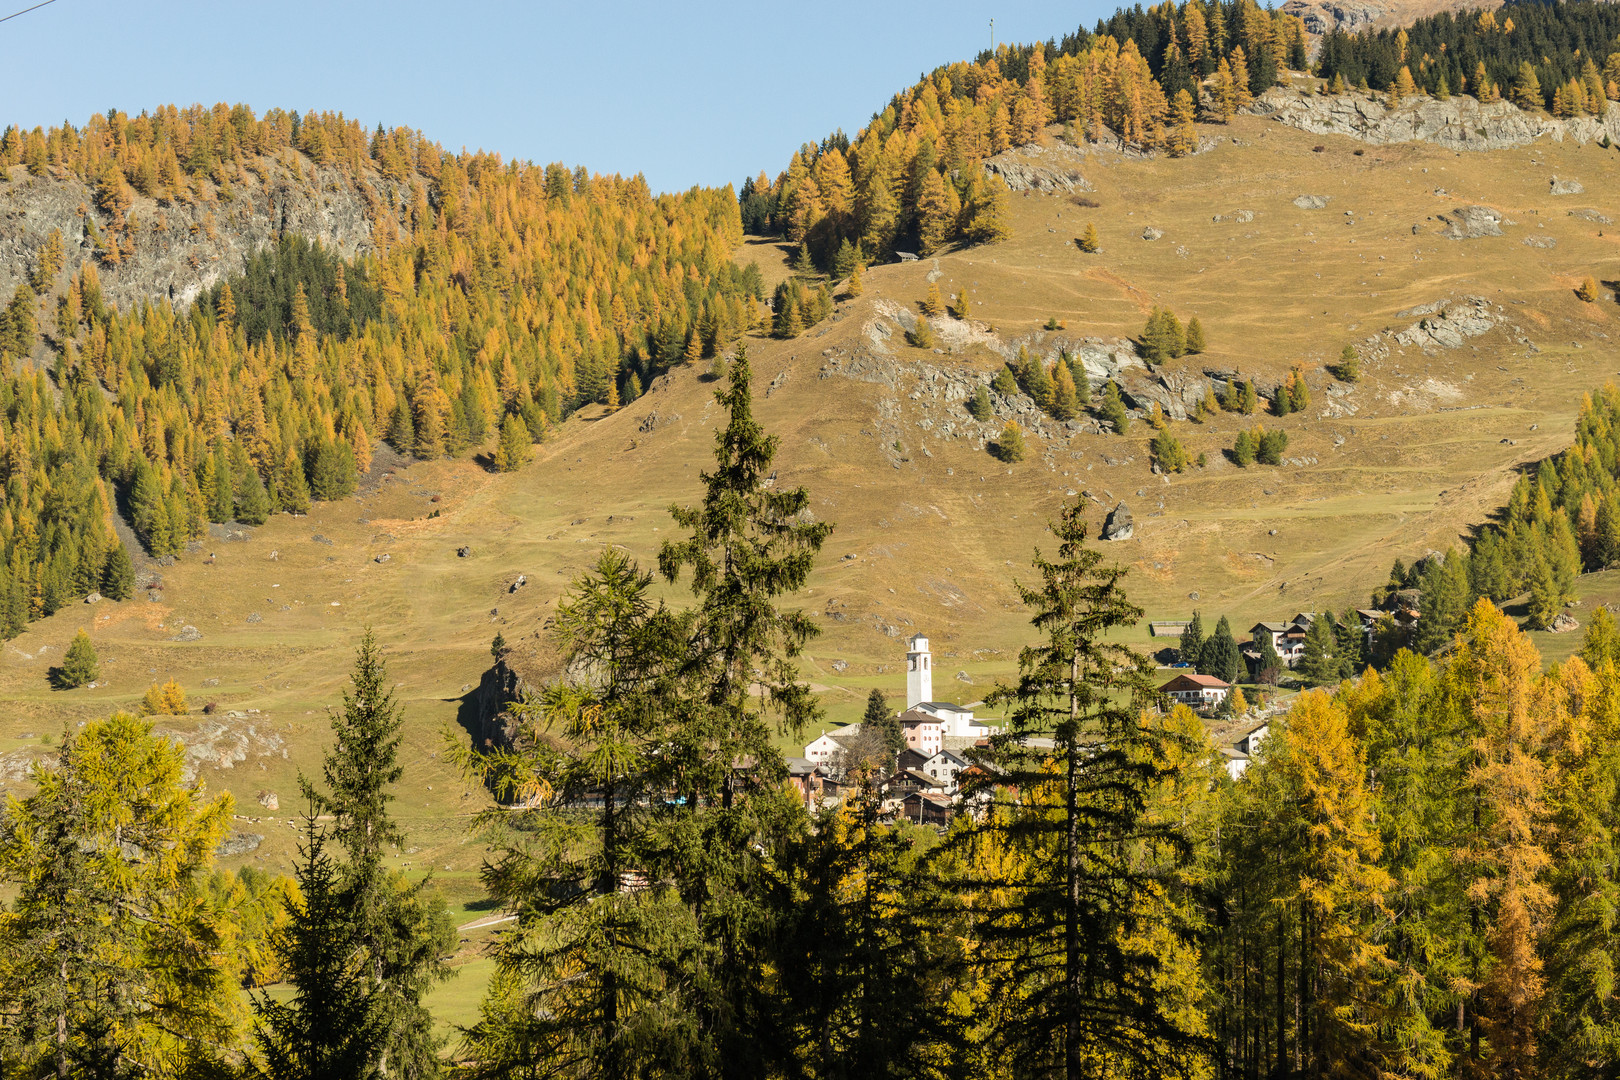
<point>1312,202</point>
<point>238,843</point>
<point>1460,123</point>
<point>1027,176</point>
<point>1448,325</point>
<point>184,247</point>
<point>1320,16</point>
<point>1472,222</point>
<point>1119,525</point>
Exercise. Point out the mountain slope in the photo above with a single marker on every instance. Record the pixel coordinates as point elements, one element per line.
<point>1424,446</point>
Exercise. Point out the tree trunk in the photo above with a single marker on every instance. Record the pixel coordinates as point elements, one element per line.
<point>1073,1067</point>
<point>1282,1001</point>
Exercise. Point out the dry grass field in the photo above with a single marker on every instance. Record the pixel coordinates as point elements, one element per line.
<point>930,530</point>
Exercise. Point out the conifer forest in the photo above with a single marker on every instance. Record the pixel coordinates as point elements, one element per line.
<point>1388,849</point>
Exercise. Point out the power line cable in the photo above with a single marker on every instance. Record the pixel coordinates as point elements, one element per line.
<point>25,11</point>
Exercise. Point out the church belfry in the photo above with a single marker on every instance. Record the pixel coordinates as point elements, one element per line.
<point>919,672</point>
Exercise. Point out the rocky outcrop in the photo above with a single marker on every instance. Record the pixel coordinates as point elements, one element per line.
<point>1119,525</point>
<point>1040,169</point>
<point>1320,16</point>
<point>1460,123</point>
<point>1447,325</point>
<point>174,249</point>
<point>1312,202</point>
<point>1472,222</point>
<point>1350,16</point>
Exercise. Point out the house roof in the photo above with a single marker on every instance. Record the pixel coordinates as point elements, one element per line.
<point>924,779</point>
<point>942,706</point>
<point>1207,682</point>
<point>1274,627</point>
<point>954,757</point>
<point>839,734</point>
<point>798,766</point>
<point>942,801</point>
<point>912,717</point>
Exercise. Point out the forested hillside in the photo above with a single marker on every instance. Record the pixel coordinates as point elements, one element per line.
<point>908,180</point>
<point>513,295</point>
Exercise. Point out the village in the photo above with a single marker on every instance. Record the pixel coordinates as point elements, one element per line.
<point>924,783</point>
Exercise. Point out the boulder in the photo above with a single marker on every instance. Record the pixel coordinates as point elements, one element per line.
<point>1472,222</point>
<point>1312,202</point>
<point>1119,525</point>
<point>384,557</point>
<point>269,801</point>
<point>1564,187</point>
<point>518,584</point>
<point>1150,233</point>
<point>463,552</point>
<point>1563,623</point>
<point>93,598</point>
<point>238,843</point>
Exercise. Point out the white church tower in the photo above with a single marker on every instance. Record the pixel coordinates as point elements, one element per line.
<point>919,672</point>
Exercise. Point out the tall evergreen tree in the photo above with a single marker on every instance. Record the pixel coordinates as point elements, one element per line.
<point>394,934</point>
<point>332,1025</point>
<point>880,718</point>
<point>749,545</point>
<point>118,574</point>
<point>1086,989</point>
<point>581,986</point>
<point>1191,647</point>
<point>1319,666</point>
<point>1220,655</point>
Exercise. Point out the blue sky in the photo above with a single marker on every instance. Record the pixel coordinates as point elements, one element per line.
<point>686,94</point>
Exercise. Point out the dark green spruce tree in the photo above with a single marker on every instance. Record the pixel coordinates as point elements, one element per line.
<point>330,1026</point>
<point>389,930</point>
<point>1075,768</point>
<point>750,544</point>
<point>581,987</point>
<point>882,719</point>
<point>1220,655</point>
<point>1191,646</point>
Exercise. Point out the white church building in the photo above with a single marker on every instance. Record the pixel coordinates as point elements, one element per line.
<point>956,721</point>
<point>927,723</point>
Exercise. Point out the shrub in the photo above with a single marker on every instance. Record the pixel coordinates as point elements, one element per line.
<point>165,700</point>
<point>1112,409</point>
<point>1168,453</point>
<point>1243,450</point>
<point>1588,290</point>
<point>1349,366</point>
<point>978,405</point>
<point>1010,447</point>
<point>79,667</point>
<point>922,336</point>
<point>1270,448</point>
